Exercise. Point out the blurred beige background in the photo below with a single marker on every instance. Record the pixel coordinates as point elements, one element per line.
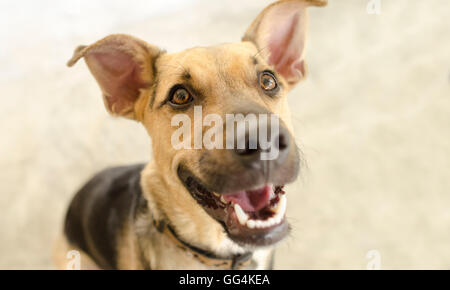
<point>373,121</point>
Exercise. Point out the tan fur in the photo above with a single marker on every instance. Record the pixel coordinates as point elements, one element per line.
<point>128,249</point>
<point>179,208</point>
<point>226,74</point>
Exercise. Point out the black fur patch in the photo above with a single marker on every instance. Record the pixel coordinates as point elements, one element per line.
<point>99,211</point>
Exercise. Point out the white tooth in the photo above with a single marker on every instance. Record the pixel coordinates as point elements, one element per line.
<point>272,192</point>
<point>223,199</point>
<point>264,224</point>
<point>280,210</point>
<point>277,219</point>
<point>276,207</point>
<point>216,194</point>
<point>283,202</point>
<point>280,207</point>
<point>241,215</point>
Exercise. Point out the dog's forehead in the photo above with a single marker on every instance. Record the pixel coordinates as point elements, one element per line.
<point>222,70</point>
<point>222,57</point>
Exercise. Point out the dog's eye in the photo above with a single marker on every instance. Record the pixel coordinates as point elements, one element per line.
<point>180,96</point>
<point>267,81</point>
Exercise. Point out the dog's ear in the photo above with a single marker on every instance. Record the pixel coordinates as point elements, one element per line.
<point>122,66</point>
<point>279,32</point>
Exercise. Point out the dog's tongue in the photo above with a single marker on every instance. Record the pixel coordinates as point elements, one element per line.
<point>251,200</point>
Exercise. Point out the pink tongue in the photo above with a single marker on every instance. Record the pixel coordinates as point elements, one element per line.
<point>251,200</point>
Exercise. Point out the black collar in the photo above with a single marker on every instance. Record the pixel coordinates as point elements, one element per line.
<point>238,261</point>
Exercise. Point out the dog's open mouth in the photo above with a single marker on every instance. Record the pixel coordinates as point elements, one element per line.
<point>252,217</point>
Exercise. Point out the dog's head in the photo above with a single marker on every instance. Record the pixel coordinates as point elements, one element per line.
<point>215,175</point>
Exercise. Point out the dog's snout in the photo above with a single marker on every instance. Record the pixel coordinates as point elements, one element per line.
<point>247,151</point>
<point>283,141</point>
<point>275,149</point>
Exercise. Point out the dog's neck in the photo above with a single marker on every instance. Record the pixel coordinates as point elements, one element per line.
<point>191,223</point>
<point>232,262</point>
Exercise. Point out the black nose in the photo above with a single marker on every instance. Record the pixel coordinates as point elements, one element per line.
<point>258,150</point>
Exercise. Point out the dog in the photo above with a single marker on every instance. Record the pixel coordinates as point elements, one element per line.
<point>193,208</point>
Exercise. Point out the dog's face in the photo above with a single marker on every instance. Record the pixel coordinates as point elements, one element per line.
<point>226,79</point>
<point>234,187</point>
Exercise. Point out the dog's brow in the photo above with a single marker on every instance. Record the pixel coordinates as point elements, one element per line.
<point>184,76</point>
<point>185,79</point>
<point>187,75</point>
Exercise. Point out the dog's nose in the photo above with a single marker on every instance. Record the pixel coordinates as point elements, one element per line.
<point>255,152</point>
